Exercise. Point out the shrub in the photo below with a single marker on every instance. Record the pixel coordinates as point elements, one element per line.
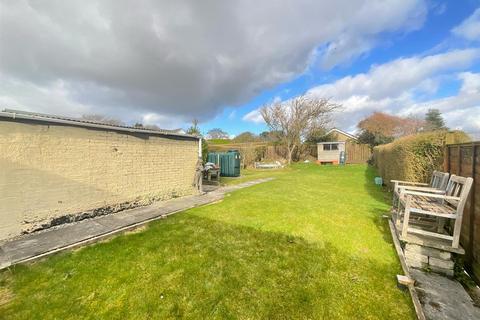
<point>204,150</point>
<point>260,153</point>
<point>414,157</point>
<point>219,141</point>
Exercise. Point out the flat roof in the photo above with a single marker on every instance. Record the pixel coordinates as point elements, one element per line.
<point>12,114</point>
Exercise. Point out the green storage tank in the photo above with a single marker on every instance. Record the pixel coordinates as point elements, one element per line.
<point>229,162</point>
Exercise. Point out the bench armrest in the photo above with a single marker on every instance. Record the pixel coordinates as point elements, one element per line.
<point>402,189</point>
<point>430,195</point>
<point>409,182</point>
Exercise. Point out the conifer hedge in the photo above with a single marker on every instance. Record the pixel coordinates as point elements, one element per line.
<point>414,157</point>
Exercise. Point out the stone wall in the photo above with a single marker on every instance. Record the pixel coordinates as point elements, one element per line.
<point>51,173</point>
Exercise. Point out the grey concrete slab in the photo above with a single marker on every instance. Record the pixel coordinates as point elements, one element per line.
<point>443,298</point>
<point>46,241</point>
<point>209,187</point>
<point>62,237</point>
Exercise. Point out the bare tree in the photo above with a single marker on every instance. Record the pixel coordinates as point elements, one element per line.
<point>294,119</point>
<point>217,133</point>
<point>194,130</point>
<point>102,119</point>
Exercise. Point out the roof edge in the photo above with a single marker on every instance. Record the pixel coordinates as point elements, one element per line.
<point>342,132</point>
<point>17,114</point>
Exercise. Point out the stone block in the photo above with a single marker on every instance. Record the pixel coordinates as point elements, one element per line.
<point>447,272</point>
<point>444,264</point>
<point>416,263</point>
<point>416,256</point>
<point>427,251</point>
<point>416,260</point>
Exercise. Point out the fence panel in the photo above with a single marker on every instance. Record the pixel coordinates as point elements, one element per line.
<point>357,153</point>
<point>464,160</point>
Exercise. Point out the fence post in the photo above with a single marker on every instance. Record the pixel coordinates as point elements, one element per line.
<point>471,227</point>
<point>446,161</point>
<point>459,167</point>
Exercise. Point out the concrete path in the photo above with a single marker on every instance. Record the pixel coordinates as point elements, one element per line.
<point>43,243</point>
<point>443,298</point>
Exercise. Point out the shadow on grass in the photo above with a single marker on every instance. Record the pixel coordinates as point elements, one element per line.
<point>195,267</point>
<point>380,194</point>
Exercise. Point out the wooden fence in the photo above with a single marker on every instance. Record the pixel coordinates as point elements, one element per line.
<point>357,153</point>
<point>257,151</point>
<point>261,151</point>
<point>464,160</point>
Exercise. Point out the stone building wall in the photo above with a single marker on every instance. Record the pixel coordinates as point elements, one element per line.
<point>53,173</point>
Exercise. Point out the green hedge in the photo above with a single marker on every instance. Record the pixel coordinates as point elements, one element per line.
<point>413,158</point>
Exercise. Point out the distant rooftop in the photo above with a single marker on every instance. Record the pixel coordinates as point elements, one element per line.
<point>342,132</point>
<point>33,116</point>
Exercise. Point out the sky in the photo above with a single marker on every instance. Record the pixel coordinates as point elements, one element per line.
<point>169,62</point>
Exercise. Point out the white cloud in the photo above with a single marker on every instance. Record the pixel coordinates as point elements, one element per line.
<point>461,111</point>
<point>470,27</point>
<point>470,82</point>
<point>395,86</point>
<point>407,86</point>
<point>162,121</point>
<point>344,49</point>
<point>178,59</point>
<point>395,77</point>
<point>253,116</point>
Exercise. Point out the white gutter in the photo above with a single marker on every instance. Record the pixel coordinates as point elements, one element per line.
<point>200,148</point>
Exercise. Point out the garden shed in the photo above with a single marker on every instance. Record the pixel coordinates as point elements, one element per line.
<point>339,142</point>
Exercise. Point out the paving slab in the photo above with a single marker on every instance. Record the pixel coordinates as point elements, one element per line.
<point>49,241</point>
<point>443,298</point>
<point>435,296</point>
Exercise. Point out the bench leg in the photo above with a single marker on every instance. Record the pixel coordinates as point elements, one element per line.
<point>406,217</point>
<point>396,195</point>
<point>456,231</point>
<point>440,225</point>
<point>398,213</point>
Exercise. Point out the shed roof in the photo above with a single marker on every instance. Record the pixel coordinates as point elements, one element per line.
<point>47,118</point>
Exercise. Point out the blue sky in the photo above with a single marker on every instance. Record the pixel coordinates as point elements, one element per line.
<point>167,63</point>
<point>434,36</point>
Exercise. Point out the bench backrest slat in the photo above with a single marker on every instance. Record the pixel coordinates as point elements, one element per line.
<point>458,187</point>
<point>439,180</point>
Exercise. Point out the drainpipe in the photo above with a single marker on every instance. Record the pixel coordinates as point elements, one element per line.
<point>200,147</point>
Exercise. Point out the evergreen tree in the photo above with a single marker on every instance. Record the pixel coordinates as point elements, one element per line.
<point>434,120</point>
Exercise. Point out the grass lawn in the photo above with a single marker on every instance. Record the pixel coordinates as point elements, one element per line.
<point>252,174</point>
<point>309,245</point>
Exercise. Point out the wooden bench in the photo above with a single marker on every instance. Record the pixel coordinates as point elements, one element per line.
<point>438,184</point>
<point>415,205</point>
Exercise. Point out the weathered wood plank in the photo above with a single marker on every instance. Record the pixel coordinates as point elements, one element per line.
<point>411,288</point>
<point>430,234</point>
